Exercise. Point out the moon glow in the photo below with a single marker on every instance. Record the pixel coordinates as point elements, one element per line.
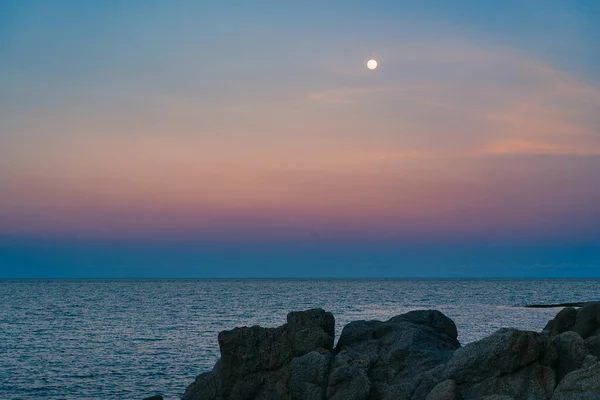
<point>371,64</point>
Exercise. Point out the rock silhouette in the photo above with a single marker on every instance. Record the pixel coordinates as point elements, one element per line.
<point>585,321</point>
<point>411,356</point>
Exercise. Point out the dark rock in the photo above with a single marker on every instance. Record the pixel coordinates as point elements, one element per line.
<point>580,384</point>
<point>312,329</point>
<point>431,318</point>
<point>393,392</point>
<point>589,360</point>
<point>310,375</point>
<point>390,357</point>
<point>252,360</point>
<point>409,357</point>
<point>445,390</point>
<point>509,362</point>
<point>588,321</point>
<point>349,378</point>
<point>571,352</point>
<point>585,321</point>
<point>593,345</point>
<point>563,322</point>
<point>532,382</point>
<point>505,351</point>
<point>557,305</point>
<point>258,363</point>
<point>205,387</point>
<point>155,397</point>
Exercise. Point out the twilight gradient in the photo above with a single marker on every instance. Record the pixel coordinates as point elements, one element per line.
<point>215,124</point>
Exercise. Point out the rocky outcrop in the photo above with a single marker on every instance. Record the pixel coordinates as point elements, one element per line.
<point>571,353</point>
<point>445,390</point>
<point>593,345</point>
<point>389,358</point>
<point>509,362</point>
<point>413,356</point>
<point>560,305</point>
<point>271,363</point>
<point>580,384</point>
<point>309,375</point>
<point>585,321</point>
<point>563,322</point>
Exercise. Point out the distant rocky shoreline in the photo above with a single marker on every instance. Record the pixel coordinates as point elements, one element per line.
<point>576,304</point>
<point>411,356</point>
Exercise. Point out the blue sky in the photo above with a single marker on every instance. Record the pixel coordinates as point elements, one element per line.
<point>130,129</point>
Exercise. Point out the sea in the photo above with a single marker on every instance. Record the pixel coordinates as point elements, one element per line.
<point>128,339</point>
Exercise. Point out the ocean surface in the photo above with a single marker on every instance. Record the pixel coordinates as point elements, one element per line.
<point>127,339</point>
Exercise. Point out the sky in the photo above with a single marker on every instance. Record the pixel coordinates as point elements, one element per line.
<point>248,139</point>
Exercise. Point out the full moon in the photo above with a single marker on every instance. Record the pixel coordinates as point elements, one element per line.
<point>372,64</point>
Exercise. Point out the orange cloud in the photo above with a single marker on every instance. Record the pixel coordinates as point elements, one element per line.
<point>515,146</point>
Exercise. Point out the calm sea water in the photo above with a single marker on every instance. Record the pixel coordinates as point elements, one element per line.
<point>127,339</point>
